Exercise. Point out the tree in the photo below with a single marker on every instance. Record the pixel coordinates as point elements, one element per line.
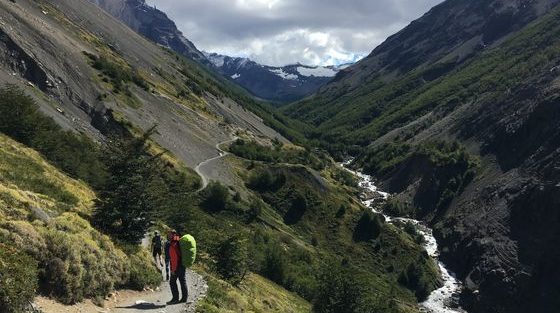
<point>339,291</point>
<point>369,226</point>
<point>134,190</point>
<point>232,259</point>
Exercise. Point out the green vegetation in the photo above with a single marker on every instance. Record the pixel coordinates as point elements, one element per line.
<point>277,153</point>
<point>134,190</point>
<point>73,153</point>
<point>74,260</point>
<point>255,294</point>
<point>217,197</point>
<point>232,259</point>
<point>17,283</point>
<point>348,121</point>
<point>117,74</point>
<point>394,207</point>
<point>447,168</point>
<point>369,226</point>
<point>320,213</point>
<point>142,273</point>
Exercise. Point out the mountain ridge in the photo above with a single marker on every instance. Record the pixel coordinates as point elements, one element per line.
<point>274,83</point>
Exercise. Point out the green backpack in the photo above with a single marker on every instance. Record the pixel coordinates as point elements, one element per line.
<point>187,244</point>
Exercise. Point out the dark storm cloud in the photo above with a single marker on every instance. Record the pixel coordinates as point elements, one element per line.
<point>286,31</point>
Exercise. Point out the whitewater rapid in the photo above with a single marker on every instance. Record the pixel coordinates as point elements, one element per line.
<point>440,300</point>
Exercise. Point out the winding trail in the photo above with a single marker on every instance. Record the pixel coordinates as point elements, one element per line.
<point>441,300</point>
<point>199,169</point>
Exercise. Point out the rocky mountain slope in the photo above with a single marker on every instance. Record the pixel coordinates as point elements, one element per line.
<point>80,66</point>
<point>457,115</point>
<point>277,84</point>
<point>153,24</point>
<point>279,215</point>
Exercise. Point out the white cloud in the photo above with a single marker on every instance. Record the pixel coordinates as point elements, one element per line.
<point>279,32</point>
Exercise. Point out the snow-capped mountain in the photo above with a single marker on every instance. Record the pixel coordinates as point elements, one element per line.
<point>279,84</point>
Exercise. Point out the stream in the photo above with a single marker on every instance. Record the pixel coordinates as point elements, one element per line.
<point>441,300</point>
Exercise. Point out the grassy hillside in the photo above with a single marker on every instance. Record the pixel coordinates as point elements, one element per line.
<point>43,215</point>
<point>354,119</point>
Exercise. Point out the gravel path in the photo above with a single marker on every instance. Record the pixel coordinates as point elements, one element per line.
<point>201,168</point>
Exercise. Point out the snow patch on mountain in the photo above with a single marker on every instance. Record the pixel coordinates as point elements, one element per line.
<point>235,76</point>
<point>280,72</point>
<point>216,59</point>
<point>316,71</point>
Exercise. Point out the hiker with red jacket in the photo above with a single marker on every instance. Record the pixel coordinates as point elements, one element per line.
<point>178,271</point>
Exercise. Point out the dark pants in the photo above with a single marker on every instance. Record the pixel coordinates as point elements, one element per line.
<point>181,276</point>
<point>167,269</point>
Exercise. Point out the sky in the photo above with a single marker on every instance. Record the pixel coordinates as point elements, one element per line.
<point>280,32</point>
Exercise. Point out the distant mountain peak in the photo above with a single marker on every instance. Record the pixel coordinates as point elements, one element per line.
<point>276,83</point>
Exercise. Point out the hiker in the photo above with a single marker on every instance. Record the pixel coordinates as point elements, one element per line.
<point>177,270</point>
<point>166,251</point>
<point>156,249</point>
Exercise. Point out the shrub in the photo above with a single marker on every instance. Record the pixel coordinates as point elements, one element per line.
<point>18,279</point>
<point>79,262</point>
<point>396,208</point>
<point>143,273</point>
<point>369,226</point>
<point>417,279</point>
<point>216,197</point>
<point>275,264</point>
<point>338,292</point>
<point>265,179</point>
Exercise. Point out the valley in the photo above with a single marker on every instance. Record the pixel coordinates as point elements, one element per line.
<point>114,125</point>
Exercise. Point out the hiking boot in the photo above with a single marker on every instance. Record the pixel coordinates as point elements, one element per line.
<point>173,301</point>
<point>183,300</point>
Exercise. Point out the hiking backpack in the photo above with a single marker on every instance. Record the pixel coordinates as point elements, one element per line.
<point>187,245</point>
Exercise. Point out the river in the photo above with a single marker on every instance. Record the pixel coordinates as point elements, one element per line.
<point>441,300</point>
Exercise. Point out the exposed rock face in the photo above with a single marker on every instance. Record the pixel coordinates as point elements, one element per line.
<point>152,23</point>
<point>278,84</point>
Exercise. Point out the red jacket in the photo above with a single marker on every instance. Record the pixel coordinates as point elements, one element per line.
<point>174,254</point>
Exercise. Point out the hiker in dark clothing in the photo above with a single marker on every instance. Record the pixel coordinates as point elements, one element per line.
<point>156,249</point>
<point>167,257</point>
<point>178,271</point>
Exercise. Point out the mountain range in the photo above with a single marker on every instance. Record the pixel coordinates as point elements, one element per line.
<point>277,84</point>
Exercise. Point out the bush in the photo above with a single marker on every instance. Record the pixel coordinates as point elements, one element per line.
<point>338,292</point>
<point>18,279</point>
<point>79,261</point>
<point>216,198</point>
<point>232,259</point>
<point>266,180</point>
<point>143,273</point>
<point>117,73</point>
<point>275,264</point>
<point>417,279</point>
<point>369,226</point>
<point>396,208</point>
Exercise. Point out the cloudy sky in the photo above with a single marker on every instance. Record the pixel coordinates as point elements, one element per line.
<point>279,32</point>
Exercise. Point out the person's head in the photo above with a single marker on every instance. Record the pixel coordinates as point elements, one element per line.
<point>171,234</point>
